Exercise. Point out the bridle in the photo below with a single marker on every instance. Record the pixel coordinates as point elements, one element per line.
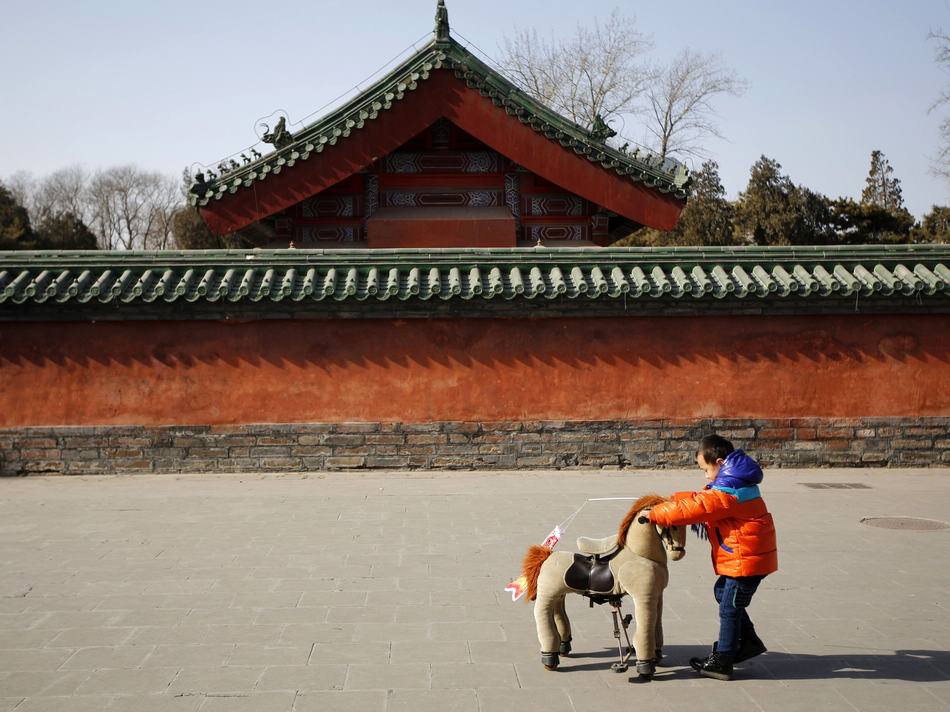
<point>665,534</point>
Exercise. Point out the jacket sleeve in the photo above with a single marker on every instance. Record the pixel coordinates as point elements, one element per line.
<point>693,508</point>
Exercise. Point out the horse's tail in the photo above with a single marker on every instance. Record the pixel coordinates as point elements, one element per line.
<point>531,568</point>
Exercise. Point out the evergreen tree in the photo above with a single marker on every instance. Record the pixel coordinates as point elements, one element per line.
<point>190,232</point>
<point>884,217</point>
<point>814,219</point>
<point>15,230</point>
<point>868,223</point>
<point>774,211</point>
<point>64,231</point>
<point>935,226</point>
<point>708,218</point>
<point>881,187</point>
<point>763,211</point>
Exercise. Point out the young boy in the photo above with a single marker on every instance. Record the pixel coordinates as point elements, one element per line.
<point>742,537</point>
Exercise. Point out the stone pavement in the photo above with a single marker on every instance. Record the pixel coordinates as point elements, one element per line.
<point>384,592</point>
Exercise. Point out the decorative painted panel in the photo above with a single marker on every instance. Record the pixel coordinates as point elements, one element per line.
<point>329,233</point>
<point>557,232</point>
<point>321,206</point>
<point>371,194</point>
<point>513,196</point>
<point>565,204</point>
<point>447,198</point>
<point>443,162</point>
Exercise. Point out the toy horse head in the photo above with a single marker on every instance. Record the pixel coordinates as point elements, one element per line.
<point>642,537</point>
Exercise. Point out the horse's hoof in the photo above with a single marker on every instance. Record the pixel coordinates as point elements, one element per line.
<point>550,661</point>
<point>646,668</point>
<point>565,648</point>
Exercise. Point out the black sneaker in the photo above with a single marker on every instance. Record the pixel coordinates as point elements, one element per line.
<point>748,648</point>
<point>715,666</point>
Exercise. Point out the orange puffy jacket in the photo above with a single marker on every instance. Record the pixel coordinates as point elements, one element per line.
<point>742,534</point>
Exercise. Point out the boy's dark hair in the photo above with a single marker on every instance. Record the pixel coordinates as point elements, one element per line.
<point>712,447</point>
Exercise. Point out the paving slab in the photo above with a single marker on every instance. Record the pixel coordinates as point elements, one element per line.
<point>384,592</point>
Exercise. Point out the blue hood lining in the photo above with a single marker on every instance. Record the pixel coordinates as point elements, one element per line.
<point>743,494</point>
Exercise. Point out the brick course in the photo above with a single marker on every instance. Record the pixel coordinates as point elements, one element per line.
<point>800,442</point>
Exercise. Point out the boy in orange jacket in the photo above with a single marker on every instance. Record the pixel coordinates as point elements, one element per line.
<point>742,536</point>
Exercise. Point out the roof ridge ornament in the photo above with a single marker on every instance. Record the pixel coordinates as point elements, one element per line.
<point>441,23</point>
<point>280,136</point>
<point>600,131</point>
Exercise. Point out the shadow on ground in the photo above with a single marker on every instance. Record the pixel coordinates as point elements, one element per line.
<point>908,665</point>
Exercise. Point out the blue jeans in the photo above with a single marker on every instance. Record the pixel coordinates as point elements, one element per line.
<point>733,594</point>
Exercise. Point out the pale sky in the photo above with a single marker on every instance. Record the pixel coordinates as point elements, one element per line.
<point>168,85</point>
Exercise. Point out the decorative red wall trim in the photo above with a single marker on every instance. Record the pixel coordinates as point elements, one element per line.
<point>488,369</point>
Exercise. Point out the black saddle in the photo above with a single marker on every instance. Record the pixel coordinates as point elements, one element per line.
<point>591,573</point>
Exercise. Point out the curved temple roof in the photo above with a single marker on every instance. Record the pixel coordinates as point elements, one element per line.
<point>53,279</point>
<point>442,52</point>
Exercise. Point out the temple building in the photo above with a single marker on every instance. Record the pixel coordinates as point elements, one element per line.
<point>441,152</point>
<point>434,287</point>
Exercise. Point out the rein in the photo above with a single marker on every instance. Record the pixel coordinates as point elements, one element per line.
<point>666,534</point>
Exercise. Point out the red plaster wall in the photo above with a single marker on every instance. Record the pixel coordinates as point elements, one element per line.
<point>161,373</point>
<point>441,227</point>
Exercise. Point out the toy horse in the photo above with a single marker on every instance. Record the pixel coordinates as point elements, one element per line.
<point>632,562</point>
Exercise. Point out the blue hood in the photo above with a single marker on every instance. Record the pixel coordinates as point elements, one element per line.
<point>738,471</point>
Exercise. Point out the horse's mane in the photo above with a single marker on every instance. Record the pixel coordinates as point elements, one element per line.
<point>647,500</point>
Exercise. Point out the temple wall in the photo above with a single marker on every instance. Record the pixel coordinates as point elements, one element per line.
<point>502,392</point>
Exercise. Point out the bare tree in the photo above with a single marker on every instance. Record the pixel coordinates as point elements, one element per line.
<point>61,192</point>
<point>127,208</point>
<point>22,186</point>
<point>682,114</point>
<point>132,209</point>
<point>941,161</point>
<point>166,202</point>
<point>602,71</point>
<point>597,71</point>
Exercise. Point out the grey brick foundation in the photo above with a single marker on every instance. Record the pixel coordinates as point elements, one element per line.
<point>806,442</point>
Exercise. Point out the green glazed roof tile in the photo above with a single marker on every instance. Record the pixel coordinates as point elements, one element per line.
<point>232,276</point>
